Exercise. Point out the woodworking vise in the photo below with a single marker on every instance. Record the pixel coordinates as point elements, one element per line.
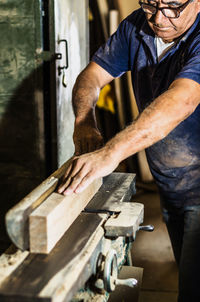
<point>85,262</point>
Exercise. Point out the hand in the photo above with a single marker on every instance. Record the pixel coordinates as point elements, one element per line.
<point>86,138</point>
<point>85,168</point>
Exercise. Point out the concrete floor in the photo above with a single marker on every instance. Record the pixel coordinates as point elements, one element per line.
<point>153,252</point>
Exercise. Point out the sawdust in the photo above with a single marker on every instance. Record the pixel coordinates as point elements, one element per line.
<point>10,260</point>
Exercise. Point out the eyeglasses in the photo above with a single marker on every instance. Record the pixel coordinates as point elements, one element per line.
<point>169,12</point>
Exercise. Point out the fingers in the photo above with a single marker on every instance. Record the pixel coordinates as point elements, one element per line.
<point>84,169</point>
<point>85,182</point>
<point>76,184</point>
<point>73,176</point>
<point>68,176</point>
<point>65,180</point>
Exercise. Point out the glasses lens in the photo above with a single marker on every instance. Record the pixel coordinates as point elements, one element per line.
<point>170,13</point>
<point>149,9</point>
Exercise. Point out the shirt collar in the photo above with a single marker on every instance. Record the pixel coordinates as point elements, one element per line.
<point>148,36</point>
<point>190,30</point>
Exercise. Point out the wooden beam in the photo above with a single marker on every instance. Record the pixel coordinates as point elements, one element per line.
<point>125,7</point>
<point>54,216</point>
<point>17,217</point>
<point>10,261</point>
<point>59,275</point>
<point>114,22</point>
<point>104,11</point>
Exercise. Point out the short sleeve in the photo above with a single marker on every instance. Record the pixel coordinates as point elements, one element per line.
<point>113,56</point>
<point>191,65</point>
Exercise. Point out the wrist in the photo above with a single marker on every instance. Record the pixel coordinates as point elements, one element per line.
<point>113,151</point>
<point>121,146</point>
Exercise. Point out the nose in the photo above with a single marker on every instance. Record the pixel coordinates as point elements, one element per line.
<point>159,18</point>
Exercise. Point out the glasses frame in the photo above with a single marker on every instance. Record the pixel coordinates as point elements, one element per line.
<point>178,9</point>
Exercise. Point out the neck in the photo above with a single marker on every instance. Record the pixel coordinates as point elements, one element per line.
<point>168,41</point>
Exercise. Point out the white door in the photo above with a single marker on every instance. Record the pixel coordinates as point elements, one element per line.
<point>71,41</point>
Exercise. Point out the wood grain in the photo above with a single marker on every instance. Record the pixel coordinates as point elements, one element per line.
<point>53,217</point>
<point>104,11</point>
<point>126,7</point>
<point>114,22</point>
<point>17,217</point>
<point>59,275</point>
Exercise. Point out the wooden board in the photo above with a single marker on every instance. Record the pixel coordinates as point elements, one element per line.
<point>125,7</point>
<point>114,22</point>
<point>17,217</point>
<point>126,224</point>
<point>104,10</point>
<point>11,260</point>
<point>53,217</point>
<point>57,276</point>
<point>116,188</point>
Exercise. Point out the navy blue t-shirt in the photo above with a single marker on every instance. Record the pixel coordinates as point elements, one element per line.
<point>175,160</point>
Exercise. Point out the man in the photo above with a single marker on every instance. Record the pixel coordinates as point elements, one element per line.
<point>160,44</point>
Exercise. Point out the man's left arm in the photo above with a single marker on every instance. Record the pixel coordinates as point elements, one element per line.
<point>164,114</point>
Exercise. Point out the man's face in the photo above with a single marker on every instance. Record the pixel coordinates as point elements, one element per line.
<point>170,29</point>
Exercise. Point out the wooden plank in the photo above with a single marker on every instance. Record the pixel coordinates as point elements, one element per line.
<point>126,224</point>
<point>117,187</point>
<point>114,22</point>
<point>10,260</point>
<point>104,10</point>
<point>56,277</point>
<point>17,217</point>
<point>53,217</point>
<point>125,7</point>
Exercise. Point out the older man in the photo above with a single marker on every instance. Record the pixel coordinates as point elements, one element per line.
<point>160,44</point>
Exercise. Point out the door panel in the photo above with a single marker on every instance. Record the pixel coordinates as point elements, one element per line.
<point>71,18</point>
<point>22,160</point>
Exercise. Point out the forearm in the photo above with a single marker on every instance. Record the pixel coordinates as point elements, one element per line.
<point>157,121</point>
<point>86,92</point>
<point>87,137</point>
<point>84,97</point>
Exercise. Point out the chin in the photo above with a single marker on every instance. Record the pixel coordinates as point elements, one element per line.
<point>164,34</point>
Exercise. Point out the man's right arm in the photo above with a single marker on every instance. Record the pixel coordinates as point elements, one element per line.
<point>163,115</point>
<point>85,94</point>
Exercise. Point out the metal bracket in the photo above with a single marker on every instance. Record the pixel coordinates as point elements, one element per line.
<point>60,68</point>
<point>101,211</point>
<point>58,56</point>
<point>124,219</point>
<point>127,223</point>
